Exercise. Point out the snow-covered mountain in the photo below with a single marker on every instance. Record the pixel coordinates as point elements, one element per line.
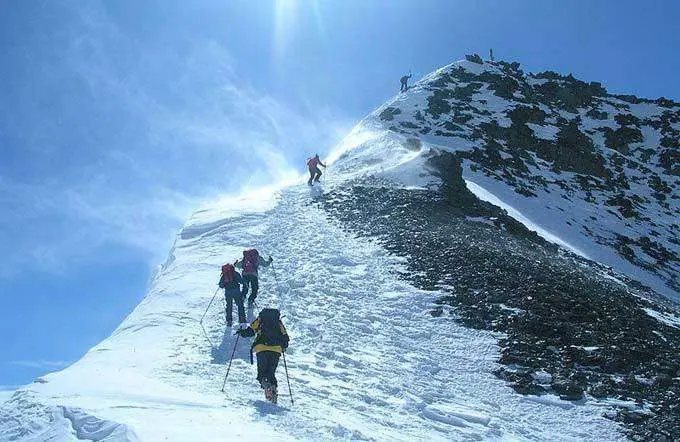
<point>598,171</point>
<point>422,286</point>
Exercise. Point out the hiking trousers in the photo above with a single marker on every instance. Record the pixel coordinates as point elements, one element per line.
<point>314,174</point>
<point>235,296</point>
<point>250,281</point>
<point>267,361</point>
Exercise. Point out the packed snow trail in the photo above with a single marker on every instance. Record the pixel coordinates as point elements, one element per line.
<point>367,360</point>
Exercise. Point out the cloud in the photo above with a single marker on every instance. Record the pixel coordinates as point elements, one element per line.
<point>41,364</point>
<point>147,133</point>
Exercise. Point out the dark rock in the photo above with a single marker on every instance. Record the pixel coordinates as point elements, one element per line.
<point>389,113</point>
<point>568,390</point>
<point>474,58</point>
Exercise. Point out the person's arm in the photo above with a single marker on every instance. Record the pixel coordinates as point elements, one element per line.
<point>324,166</point>
<point>263,262</point>
<point>247,332</point>
<point>238,264</point>
<point>286,338</point>
<point>250,330</point>
<point>221,282</point>
<point>238,278</point>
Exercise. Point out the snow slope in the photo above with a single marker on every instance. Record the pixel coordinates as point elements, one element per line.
<point>4,395</point>
<point>367,361</point>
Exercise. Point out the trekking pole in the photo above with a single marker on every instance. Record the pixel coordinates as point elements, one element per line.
<point>276,278</point>
<point>287,378</point>
<point>203,317</point>
<point>230,359</point>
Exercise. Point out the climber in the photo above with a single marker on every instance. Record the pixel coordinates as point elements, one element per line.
<point>250,264</point>
<point>314,172</point>
<point>271,340</point>
<point>230,281</point>
<point>404,82</point>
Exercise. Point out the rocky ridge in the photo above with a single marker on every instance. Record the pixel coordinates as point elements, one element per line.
<point>572,326</point>
<point>551,135</point>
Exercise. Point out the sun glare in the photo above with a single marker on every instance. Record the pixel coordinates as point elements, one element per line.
<point>287,13</point>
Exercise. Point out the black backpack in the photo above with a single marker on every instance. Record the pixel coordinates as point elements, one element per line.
<point>270,327</point>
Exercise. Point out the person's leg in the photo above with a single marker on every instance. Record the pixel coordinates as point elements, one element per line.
<point>262,362</point>
<point>273,364</point>
<point>241,309</point>
<point>318,175</point>
<point>244,290</point>
<point>311,176</point>
<point>254,288</point>
<point>267,366</point>
<point>229,298</point>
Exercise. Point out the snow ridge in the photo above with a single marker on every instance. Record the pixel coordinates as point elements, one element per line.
<point>366,361</point>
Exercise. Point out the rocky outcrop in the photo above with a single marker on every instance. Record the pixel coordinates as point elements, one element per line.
<point>548,133</point>
<point>570,326</point>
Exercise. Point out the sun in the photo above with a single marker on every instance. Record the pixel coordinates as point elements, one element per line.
<point>286,16</point>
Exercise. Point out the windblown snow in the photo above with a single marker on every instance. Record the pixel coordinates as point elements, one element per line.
<point>366,361</point>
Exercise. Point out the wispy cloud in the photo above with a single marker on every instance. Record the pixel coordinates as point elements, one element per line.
<point>150,139</point>
<point>41,364</point>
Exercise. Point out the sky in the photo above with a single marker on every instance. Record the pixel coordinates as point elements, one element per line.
<point>120,118</point>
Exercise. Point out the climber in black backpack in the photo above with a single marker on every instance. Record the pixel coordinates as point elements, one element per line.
<point>231,281</point>
<point>250,264</point>
<point>271,340</point>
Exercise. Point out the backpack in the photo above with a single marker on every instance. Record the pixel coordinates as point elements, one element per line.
<point>251,258</point>
<point>227,274</point>
<point>270,327</point>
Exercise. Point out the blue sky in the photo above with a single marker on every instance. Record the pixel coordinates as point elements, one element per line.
<point>118,118</point>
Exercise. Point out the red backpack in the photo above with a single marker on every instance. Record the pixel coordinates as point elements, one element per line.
<point>251,258</point>
<point>227,273</point>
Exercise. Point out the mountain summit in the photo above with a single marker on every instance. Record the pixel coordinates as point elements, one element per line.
<point>494,255</point>
<point>599,171</point>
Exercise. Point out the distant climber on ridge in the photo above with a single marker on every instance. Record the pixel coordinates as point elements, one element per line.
<point>230,281</point>
<point>404,82</point>
<point>271,340</point>
<point>250,264</point>
<point>314,171</point>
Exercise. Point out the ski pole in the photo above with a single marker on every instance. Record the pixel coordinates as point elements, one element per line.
<point>276,278</point>
<point>287,378</point>
<point>203,317</point>
<point>230,359</point>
